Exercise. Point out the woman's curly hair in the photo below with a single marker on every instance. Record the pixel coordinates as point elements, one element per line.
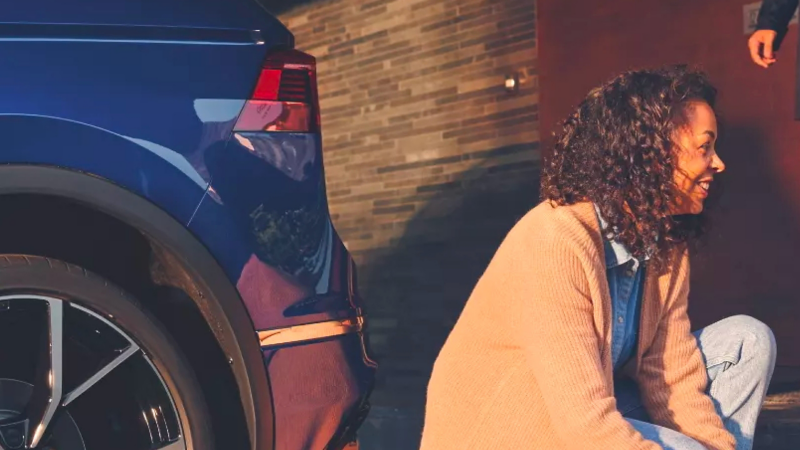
<point>617,150</point>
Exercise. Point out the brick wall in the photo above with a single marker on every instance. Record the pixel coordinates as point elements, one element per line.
<point>429,159</point>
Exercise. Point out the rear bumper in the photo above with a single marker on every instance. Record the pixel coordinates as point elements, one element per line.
<point>346,437</point>
<point>320,390</point>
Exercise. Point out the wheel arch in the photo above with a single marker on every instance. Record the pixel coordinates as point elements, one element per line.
<point>184,264</point>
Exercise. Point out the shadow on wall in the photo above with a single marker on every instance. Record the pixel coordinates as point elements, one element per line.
<point>748,265</point>
<point>417,289</point>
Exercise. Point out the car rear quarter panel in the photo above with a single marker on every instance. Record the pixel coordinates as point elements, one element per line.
<point>139,113</point>
<point>147,98</point>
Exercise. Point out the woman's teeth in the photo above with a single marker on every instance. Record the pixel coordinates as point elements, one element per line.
<point>705,185</point>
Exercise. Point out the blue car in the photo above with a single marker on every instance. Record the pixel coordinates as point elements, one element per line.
<point>169,274</point>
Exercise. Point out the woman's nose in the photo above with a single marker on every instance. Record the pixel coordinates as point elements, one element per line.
<point>717,164</point>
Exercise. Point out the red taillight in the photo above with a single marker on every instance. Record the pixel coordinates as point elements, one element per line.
<point>285,97</point>
<point>269,83</point>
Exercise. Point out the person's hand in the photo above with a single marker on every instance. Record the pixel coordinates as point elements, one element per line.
<point>765,38</point>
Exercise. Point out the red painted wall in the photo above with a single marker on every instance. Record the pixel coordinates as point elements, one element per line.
<point>751,263</point>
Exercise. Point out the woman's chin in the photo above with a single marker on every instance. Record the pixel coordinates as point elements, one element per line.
<point>693,208</point>
<point>696,208</point>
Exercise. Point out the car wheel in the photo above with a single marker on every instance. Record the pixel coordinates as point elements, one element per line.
<point>84,367</point>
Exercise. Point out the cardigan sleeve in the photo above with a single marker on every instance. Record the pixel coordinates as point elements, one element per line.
<point>542,280</point>
<point>672,376</point>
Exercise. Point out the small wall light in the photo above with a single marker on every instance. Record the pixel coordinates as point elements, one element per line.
<point>512,82</point>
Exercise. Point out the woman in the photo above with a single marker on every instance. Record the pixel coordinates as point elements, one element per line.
<point>584,305</point>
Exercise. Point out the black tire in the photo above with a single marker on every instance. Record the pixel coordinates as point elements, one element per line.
<point>21,274</point>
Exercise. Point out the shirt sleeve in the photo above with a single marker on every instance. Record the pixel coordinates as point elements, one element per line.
<point>776,15</point>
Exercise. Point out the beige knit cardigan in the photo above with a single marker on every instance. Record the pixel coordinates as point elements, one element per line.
<point>528,365</point>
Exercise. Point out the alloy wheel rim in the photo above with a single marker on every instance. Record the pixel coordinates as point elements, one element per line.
<point>82,351</point>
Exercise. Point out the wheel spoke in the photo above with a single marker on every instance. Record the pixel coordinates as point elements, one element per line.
<point>105,370</point>
<point>48,381</point>
<point>47,407</point>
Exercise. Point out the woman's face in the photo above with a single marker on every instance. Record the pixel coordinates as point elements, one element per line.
<point>697,161</point>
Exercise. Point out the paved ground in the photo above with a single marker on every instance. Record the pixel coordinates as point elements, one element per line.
<point>779,423</point>
<point>396,429</point>
<point>391,429</point>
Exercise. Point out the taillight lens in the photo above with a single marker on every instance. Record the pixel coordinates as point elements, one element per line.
<point>285,97</point>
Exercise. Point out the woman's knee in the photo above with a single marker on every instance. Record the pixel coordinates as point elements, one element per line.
<point>757,338</point>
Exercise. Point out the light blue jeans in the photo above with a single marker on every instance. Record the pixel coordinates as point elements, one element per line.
<point>739,353</point>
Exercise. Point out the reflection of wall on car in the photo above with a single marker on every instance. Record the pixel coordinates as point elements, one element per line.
<point>428,159</point>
